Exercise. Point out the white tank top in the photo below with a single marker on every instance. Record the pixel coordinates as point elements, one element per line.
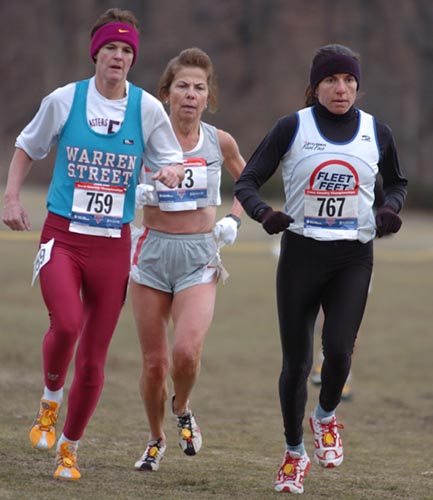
<point>201,185</point>
<point>329,187</point>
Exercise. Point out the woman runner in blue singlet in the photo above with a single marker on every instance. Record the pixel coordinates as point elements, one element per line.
<point>102,127</point>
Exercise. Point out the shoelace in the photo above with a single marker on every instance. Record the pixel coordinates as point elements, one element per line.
<point>184,422</point>
<point>290,467</point>
<point>47,418</point>
<point>152,451</point>
<point>329,432</point>
<point>68,456</point>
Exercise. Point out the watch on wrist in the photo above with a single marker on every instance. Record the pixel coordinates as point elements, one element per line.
<point>235,218</point>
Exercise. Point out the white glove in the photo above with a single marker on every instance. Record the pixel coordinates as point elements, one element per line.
<point>143,195</point>
<point>225,231</point>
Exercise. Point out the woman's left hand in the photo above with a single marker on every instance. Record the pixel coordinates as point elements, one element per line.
<point>171,175</point>
<point>225,231</point>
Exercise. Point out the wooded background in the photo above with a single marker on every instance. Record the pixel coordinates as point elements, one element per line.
<point>261,50</point>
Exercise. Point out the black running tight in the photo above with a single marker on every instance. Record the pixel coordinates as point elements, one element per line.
<point>332,274</point>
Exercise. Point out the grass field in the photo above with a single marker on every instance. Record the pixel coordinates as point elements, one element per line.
<point>388,435</point>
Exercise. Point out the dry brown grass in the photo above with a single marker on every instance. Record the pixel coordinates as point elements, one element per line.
<point>388,425</point>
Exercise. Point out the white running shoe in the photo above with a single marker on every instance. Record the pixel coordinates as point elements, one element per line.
<point>190,439</point>
<point>152,456</point>
<point>291,474</point>
<point>327,441</point>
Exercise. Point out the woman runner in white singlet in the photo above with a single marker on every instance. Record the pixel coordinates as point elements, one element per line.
<point>330,153</point>
<point>176,263</point>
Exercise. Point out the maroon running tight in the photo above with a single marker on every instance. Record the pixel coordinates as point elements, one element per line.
<point>84,287</point>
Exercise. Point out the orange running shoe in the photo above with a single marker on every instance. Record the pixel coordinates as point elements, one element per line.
<point>66,461</point>
<point>43,431</point>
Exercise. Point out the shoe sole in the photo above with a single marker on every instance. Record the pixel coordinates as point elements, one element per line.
<point>145,469</point>
<point>328,464</point>
<point>64,476</point>
<point>287,489</point>
<point>190,452</point>
<point>43,449</point>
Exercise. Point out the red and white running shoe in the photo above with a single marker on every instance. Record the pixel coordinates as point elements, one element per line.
<point>290,477</point>
<point>327,441</point>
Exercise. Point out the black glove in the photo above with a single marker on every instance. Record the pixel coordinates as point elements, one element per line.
<point>275,222</point>
<point>387,221</point>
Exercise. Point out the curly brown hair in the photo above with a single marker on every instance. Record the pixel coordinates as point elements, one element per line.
<point>193,58</point>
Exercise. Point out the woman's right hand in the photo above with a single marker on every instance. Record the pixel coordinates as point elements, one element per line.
<point>15,216</point>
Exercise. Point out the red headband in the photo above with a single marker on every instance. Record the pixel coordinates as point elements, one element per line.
<point>114,32</point>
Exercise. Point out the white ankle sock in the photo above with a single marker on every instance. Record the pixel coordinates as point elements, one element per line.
<point>63,439</point>
<point>56,396</point>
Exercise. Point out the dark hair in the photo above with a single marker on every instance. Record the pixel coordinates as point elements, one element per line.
<point>321,57</point>
<point>115,15</point>
<point>194,58</point>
